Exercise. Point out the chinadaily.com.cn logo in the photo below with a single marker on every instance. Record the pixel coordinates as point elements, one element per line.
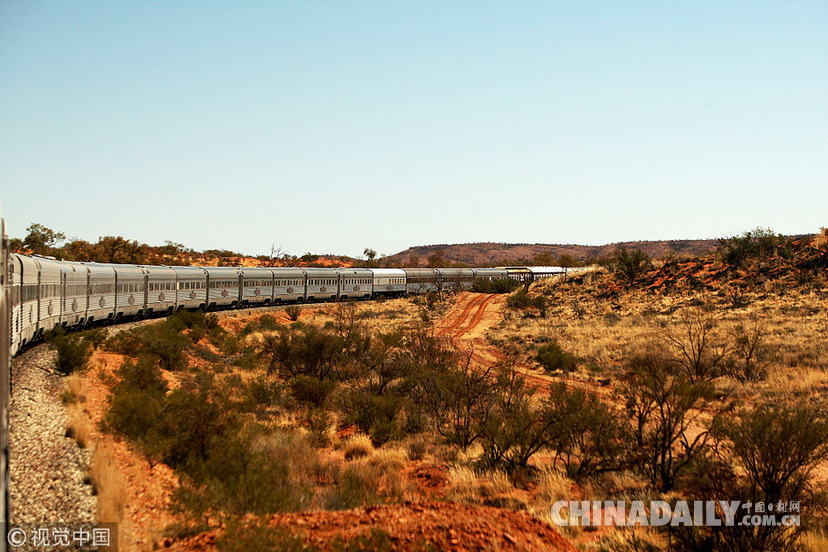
<point>658,513</point>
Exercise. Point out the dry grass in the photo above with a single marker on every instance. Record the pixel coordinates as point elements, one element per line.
<point>109,487</point>
<point>79,425</point>
<point>632,539</point>
<point>552,486</point>
<point>358,446</point>
<point>469,487</point>
<point>814,541</point>
<point>377,477</point>
<point>604,332</point>
<point>821,241</point>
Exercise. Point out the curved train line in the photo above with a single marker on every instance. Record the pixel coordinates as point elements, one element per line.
<point>38,294</point>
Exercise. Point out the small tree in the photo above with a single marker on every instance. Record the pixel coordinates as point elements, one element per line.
<point>750,353</point>
<point>631,265</point>
<point>662,404</point>
<point>766,455</point>
<point>41,240</point>
<point>370,254</point>
<point>554,359</point>
<point>695,346</point>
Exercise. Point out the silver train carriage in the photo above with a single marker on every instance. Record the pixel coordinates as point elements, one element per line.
<point>44,293</point>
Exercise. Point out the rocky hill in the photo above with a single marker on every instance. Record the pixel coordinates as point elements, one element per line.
<point>488,253</point>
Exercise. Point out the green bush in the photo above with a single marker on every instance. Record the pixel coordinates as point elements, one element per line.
<point>262,392</point>
<point>73,350</point>
<point>311,390</point>
<point>249,472</point>
<point>759,244</point>
<point>163,342</point>
<point>199,323</point>
<point>554,359</point>
<point>302,350</point>
<point>630,265</point>
<point>500,285</point>
<point>519,299</point>
<point>378,415</point>
<point>765,455</point>
<point>135,404</point>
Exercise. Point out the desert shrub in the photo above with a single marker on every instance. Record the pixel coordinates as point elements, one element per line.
<point>372,479</point>
<point>583,432</point>
<point>164,342</point>
<point>248,472</point>
<point>552,485</point>
<point>310,390</point>
<point>95,336</point>
<point>630,265</point>
<point>695,345</point>
<point>463,403</point>
<point>302,351</point>
<point>247,536</point>
<point>456,397</point>
<point>191,423</point>
<point>468,487</point>
<point>259,535</point>
<point>765,455</point>
<point>663,404</point>
<point>586,434</point>
<point>554,359</point>
<point>499,285</point>
<point>418,446</point>
<point>540,303</point>
<point>519,299</point>
<point>517,427</point>
<point>293,312</point>
<point>759,243</point>
<point>261,391</point>
<point>199,323</point>
<point>380,415</point>
<point>135,403</point>
<point>73,350</point>
<point>750,354</point>
<point>264,323</point>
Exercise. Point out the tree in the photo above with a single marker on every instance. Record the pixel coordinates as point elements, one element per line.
<point>566,261</point>
<point>41,240</point>
<point>438,260</point>
<point>766,455</point>
<point>78,250</point>
<point>631,265</point>
<point>751,353</point>
<point>117,249</point>
<point>543,259</point>
<point>662,405</point>
<point>759,244</point>
<point>696,347</point>
<point>370,254</point>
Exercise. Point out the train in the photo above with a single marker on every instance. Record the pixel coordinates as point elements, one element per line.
<point>46,293</point>
<point>39,294</point>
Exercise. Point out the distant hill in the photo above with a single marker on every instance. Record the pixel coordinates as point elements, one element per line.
<point>488,253</point>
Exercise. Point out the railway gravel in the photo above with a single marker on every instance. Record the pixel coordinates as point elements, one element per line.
<point>47,470</point>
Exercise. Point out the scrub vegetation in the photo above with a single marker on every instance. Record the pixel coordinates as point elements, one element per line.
<point>602,387</point>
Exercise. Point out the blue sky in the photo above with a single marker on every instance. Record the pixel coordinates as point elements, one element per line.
<point>336,126</point>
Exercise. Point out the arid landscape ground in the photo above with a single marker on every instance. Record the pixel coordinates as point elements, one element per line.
<point>344,439</point>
